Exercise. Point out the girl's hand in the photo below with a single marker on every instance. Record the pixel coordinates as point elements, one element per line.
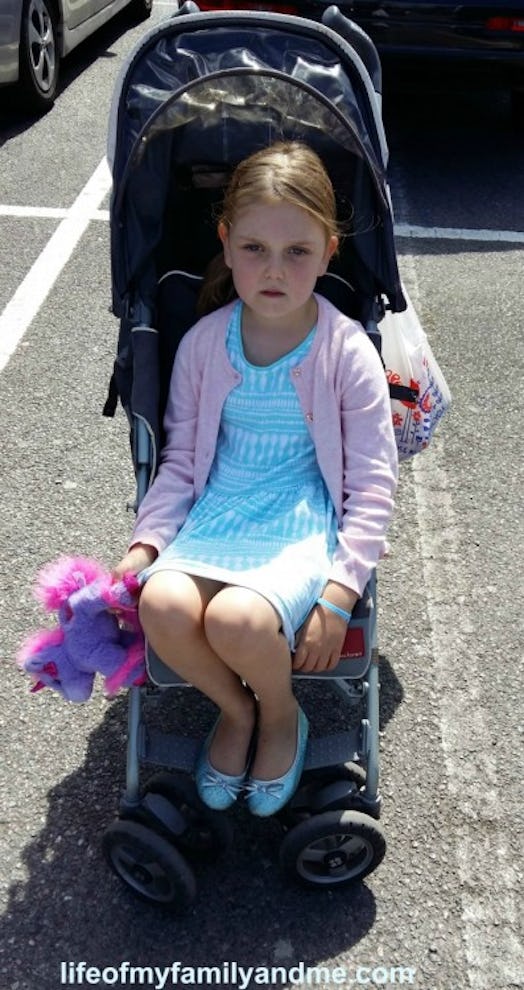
<point>140,555</point>
<point>320,641</point>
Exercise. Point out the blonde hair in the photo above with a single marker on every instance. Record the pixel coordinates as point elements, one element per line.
<point>285,172</point>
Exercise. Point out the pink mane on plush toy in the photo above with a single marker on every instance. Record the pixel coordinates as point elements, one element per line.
<point>98,630</point>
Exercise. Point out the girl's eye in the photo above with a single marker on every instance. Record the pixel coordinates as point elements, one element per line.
<point>298,251</point>
<point>252,247</point>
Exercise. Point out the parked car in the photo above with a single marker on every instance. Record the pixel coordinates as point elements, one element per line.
<point>464,34</point>
<point>36,34</point>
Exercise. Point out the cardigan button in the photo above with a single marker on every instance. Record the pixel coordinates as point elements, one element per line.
<point>309,417</point>
<point>297,372</point>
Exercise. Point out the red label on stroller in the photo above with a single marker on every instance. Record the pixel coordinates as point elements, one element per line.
<point>354,646</point>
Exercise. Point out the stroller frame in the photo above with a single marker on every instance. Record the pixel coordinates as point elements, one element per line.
<point>335,807</point>
<point>332,835</point>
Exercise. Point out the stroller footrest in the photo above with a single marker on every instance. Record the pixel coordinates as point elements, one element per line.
<point>167,749</point>
<point>176,752</point>
<point>328,751</point>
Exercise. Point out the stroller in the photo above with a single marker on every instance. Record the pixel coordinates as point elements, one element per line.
<point>198,94</point>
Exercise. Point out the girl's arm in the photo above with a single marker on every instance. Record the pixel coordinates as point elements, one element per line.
<point>136,559</point>
<point>370,468</point>
<point>322,636</point>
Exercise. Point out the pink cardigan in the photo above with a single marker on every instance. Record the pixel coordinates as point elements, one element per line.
<point>344,396</point>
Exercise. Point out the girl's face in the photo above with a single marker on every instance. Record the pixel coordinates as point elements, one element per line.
<point>276,252</point>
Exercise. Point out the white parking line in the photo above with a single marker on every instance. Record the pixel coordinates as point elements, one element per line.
<point>459,234</point>
<point>36,212</point>
<point>408,230</point>
<point>45,212</point>
<point>481,837</point>
<point>31,293</point>
<point>451,631</point>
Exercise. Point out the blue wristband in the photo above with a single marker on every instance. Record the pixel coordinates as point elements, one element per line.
<point>334,608</point>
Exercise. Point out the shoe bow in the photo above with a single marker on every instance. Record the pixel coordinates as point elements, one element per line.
<point>210,779</point>
<point>271,787</point>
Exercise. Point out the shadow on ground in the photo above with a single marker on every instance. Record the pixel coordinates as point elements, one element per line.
<point>71,907</point>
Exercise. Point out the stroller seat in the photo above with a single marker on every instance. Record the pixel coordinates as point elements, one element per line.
<point>349,677</point>
<point>354,658</point>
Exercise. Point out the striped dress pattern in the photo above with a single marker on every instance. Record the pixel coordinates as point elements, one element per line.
<point>265,520</point>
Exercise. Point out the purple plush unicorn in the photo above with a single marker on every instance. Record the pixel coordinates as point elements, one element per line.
<point>98,631</point>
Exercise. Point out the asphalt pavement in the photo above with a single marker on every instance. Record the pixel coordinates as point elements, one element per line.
<point>444,909</point>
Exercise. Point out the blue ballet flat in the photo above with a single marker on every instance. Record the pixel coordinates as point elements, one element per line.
<point>217,790</point>
<point>266,797</point>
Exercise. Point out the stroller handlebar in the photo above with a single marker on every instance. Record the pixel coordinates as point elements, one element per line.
<point>359,40</point>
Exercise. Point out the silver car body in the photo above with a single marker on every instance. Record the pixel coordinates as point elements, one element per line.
<point>77,20</point>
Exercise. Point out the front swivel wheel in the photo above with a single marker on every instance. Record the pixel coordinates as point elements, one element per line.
<point>149,865</point>
<point>206,834</point>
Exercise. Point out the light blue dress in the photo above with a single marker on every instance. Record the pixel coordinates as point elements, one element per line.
<point>265,520</point>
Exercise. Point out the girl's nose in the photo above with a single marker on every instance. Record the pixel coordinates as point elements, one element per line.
<point>274,267</point>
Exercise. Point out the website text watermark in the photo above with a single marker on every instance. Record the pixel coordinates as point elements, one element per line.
<point>232,974</point>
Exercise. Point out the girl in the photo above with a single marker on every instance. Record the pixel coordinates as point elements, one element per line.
<point>276,485</point>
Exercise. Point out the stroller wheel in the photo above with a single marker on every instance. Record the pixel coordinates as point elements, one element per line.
<point>208,833</point>
<point>339,771</point>
<point>334,848</point>
<point>325,789</point>
<point>149,865</point>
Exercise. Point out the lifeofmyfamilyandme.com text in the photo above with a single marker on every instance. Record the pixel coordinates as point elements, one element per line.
<point>232,974</point>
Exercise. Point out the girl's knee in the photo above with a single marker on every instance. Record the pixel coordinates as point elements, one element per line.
<point>237,617</point>
<point>153,599</point>
<point>163,602</point>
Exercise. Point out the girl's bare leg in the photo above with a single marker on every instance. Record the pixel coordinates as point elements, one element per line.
<point>172,607</point>
<point>243,629</point>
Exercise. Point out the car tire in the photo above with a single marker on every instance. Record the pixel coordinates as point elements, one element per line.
<point>39,55</point>
<point>140,10</point>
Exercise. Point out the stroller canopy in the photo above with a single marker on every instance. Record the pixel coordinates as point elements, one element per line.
<point>202,91</point>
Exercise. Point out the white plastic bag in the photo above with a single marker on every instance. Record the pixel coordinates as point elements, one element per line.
<point>409,361</point>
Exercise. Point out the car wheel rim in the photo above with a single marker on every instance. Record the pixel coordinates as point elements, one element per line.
<point>41,45</point>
